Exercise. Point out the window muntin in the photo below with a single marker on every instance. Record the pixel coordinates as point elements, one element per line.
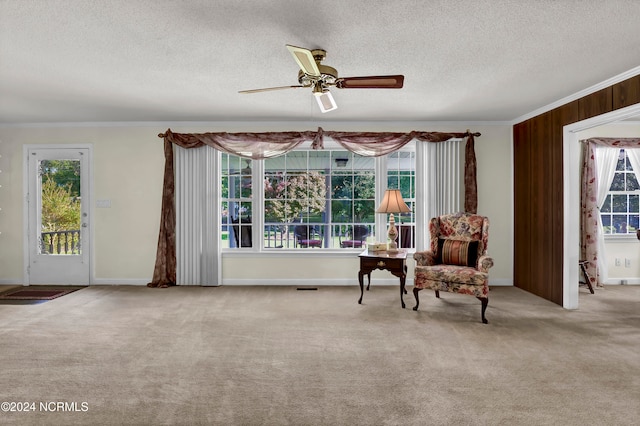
<point>401,174</point>
<point>319,194</point>
<point>353,192</point>
<point>329,193</point>
<point>236,201</point>
<point>620,212</point>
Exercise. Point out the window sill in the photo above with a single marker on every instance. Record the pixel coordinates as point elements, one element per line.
<point>621,238</point>
<point>310,252</point>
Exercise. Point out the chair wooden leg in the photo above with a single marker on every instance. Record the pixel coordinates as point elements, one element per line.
<point>587,279</point>
<point>415,294</point>
<point>485,303</point>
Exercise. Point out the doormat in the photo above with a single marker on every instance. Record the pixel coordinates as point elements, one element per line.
<point>38,294</point>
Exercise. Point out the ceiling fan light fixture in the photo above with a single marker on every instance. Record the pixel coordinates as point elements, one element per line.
<point>324,99</point>
<point>326,102</point>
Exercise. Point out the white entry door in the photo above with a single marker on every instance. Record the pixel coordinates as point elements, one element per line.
<point>58,205</point>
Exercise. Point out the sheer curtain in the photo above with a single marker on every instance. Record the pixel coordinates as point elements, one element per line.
<point>634,159</point>
<point>605,161</point>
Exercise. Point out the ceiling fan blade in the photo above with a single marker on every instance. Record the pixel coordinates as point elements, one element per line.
<point>268,89</point>
<point>305,60</point>
<point>373,82</point>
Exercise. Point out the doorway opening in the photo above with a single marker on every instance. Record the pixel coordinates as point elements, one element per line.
<point>571,203</point>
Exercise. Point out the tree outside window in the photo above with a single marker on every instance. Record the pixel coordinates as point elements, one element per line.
<point>61,205</point>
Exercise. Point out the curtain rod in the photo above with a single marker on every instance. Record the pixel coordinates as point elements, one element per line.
<point>468,133</point>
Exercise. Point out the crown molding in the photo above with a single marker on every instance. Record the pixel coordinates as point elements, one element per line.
<point>602,85</point>
<point>269,125</point>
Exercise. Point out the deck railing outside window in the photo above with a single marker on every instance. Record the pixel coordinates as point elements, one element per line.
<point>60,242</point>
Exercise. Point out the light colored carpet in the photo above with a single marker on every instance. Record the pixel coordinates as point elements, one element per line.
<point>277,356</point>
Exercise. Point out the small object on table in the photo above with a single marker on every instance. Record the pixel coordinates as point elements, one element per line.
<point>377,247</point>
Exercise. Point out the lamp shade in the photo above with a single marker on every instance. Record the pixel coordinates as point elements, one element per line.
<point>392,202</point>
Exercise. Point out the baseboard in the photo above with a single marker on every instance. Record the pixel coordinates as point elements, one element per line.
<point>121,281</point>
<point>97,281</point>
<point>314,282</point>
<point>11,282</point>
<point>500,282</point>
<point>618,281</point>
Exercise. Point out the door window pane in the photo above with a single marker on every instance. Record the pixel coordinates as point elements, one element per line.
<point>60,208</point>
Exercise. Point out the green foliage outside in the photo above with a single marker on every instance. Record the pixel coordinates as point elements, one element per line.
<point>61,206</point>
<point>65,173</point>
<point>405,182</point>
<point>60,209</point>
<point>291,197</point>
<point>353,198</point>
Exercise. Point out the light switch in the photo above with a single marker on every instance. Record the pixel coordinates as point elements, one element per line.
<point>103,204</point>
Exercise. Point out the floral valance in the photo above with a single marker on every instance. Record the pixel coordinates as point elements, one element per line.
<point>272,144</point>
<point>368,144</point>
<point>249,145</point>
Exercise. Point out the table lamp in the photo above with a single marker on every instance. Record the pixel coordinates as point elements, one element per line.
<point>392,202</point>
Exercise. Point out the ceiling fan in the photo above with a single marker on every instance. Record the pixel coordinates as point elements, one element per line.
<point>320,77</point>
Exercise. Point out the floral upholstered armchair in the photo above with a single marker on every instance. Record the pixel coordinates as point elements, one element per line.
<point>457,261</point>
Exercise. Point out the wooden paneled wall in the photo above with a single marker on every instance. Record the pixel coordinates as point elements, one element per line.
<point>538,183</point>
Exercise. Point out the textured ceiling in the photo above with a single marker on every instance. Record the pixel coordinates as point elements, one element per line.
<point>155,60</point>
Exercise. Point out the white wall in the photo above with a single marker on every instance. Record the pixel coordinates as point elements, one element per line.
<point>622,249</point>
<point>128,167</point>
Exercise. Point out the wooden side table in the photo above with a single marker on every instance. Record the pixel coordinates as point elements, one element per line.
<point>395,263</point>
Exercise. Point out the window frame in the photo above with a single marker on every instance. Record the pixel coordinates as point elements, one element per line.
<point>618,236</point>
<point>258,217</point>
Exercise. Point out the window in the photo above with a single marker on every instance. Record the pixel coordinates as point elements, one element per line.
<point>620,211</point>
<point>317,199</point>
<point>237,201</point>
<point>311,199</point>
<point>401,174</point>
